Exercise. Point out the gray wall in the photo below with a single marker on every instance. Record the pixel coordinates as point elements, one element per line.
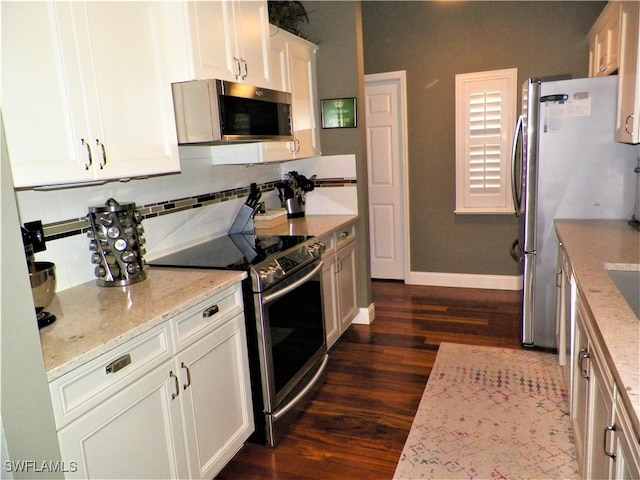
<point>433,41</point>
<point>335,26</point>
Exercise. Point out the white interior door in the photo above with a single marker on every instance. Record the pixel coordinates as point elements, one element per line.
<point>385,109</point>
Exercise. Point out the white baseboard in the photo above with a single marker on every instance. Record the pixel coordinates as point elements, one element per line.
<point>466,280</point>
<point>365,315</point>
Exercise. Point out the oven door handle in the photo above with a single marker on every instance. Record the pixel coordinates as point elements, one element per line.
<point>277,414</point>
<point>274,296</point>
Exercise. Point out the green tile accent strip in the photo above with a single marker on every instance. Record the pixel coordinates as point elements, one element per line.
<point>80,226</point>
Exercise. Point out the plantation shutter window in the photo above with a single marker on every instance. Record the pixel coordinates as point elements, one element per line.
<point>485,119</point>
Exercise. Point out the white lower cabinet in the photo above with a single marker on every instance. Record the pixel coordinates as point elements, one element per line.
<point>137,433</point>
<point>627,452</point>
<point>600,423</point>
<point>339,282</point>
<point>143,411</point>
<point>580,388</point>
<point>605,442</point>
<point>215,397</point>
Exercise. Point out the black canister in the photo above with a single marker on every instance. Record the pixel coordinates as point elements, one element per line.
<point>117,239</point>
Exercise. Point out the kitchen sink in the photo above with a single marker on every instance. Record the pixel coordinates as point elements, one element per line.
<point>627,279</point>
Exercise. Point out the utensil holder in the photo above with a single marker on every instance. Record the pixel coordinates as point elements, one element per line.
<point>294,206</point>
<point>117,241</point>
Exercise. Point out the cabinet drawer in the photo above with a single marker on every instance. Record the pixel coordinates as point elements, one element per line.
<point>345,235</point>
<point>206,316</point>
<point>80,390</point>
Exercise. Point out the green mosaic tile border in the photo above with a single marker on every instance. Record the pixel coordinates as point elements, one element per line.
<point>80,226</point>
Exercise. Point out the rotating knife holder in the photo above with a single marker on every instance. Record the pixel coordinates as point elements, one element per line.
<point>117,239</point>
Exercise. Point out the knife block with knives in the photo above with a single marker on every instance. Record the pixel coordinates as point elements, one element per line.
<point>243,221</point>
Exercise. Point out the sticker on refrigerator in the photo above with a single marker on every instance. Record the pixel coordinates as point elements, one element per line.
<point>555,108</point>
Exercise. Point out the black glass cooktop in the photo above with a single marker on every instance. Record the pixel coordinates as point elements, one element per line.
<point>236,251</point>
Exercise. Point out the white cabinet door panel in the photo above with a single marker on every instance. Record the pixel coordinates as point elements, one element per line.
<point>252,33</point>
<point>134,434</point>
<point>39,121</point>
<point>133,116</point>
<point>216,397</point>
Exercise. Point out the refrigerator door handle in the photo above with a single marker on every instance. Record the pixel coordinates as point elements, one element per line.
<point>516,251</point>
<point>515,182</point>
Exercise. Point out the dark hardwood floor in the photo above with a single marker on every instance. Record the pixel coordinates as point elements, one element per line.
<point>356,426</point>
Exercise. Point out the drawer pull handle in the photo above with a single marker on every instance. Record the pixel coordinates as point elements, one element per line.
<point>211,311</point>
<point>175,378</point>
<point>582,356</point>
<point>186,367</point>
<point>118,364</point>
<point>612,428</point>
<point>344,235</point>
<point>89,157</point>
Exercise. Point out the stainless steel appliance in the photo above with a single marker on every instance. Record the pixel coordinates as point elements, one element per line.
<point>566,165</point>
<point>284,318</point>
<point>209,112</point>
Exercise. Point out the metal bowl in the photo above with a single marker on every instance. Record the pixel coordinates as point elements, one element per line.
<point>43,283</point>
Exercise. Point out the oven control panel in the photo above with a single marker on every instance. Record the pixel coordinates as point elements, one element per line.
<point>280,267</point>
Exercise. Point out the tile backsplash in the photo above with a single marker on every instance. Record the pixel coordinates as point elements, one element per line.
<point>177,210</point>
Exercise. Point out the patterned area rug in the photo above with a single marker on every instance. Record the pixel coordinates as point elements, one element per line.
<point>491,413</point>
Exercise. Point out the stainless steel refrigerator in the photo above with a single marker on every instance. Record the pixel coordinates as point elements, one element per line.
<point>566,165</point>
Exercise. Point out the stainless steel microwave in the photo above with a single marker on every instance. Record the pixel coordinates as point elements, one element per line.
<point>210,112</point>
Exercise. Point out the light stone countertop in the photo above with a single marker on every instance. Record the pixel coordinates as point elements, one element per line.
<point>590,246</point>
<point>91,320</point>
<point>316,225</point>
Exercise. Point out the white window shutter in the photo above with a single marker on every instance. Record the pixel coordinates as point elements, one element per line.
<point>485,119</point>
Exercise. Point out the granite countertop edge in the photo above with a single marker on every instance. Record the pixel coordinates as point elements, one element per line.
<point>93,320</point>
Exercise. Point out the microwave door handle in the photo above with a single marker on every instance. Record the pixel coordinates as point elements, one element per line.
<point>515,182</point>
<point>274,296</point>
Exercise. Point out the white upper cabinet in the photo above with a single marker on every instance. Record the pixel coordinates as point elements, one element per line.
<point>604,41</point>
<point>293,70</point>
<point>85,92</point>
<point>293,64</point>
<point>229,40</point>
<point>627,124</point>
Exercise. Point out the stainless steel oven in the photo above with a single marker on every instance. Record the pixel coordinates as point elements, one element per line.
<point>292,345</point>
<point>284,317</point>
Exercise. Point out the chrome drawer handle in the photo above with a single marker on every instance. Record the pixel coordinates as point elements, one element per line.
<point>175,378</point>
<point>584,355</point>
<point>211,311</point>
<point>626,124</point>
<point>612,428</point>
<point>118,364</point>
<point>89,157</point>
<point>186,367</point>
